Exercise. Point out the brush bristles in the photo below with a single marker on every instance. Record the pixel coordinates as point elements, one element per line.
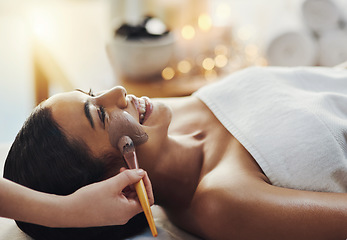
<point>125,144</point>
<point>128,148</point>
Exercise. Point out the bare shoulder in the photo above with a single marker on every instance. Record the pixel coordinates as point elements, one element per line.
<point>222,194</point>
<point>246,207</point>
<point>217,210</point>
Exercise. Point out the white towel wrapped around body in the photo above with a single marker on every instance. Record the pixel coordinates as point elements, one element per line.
<point>293,121</point>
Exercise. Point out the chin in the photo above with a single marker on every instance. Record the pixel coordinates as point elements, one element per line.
<point>160,117</point>
<point>157,126</point>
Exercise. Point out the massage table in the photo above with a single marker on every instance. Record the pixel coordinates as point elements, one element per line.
<point>166,230</point>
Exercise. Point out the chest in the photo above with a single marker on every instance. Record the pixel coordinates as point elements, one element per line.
<point>221,178</point>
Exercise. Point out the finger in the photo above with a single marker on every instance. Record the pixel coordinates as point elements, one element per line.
<point>130,187</point>
<point>149,189</point>
<point>128,177</point>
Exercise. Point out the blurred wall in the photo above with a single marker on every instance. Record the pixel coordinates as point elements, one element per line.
<point>16,74</point>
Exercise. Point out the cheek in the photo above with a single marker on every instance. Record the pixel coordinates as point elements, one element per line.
<point>99,144</point>
<point>125,125</point>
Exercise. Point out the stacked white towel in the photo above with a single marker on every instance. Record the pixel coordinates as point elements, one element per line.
<point>304,33</point>
<point>332,47</point>
<point>282,37</point>
<point>287,42</point>
<point>327,20</point>
<point>321,15</point>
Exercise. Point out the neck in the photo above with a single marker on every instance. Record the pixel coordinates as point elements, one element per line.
<point>176,170</point>
<point>176,174</point>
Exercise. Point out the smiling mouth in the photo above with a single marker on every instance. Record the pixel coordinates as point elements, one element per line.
<point>145,108</point>
<point>142,109</point>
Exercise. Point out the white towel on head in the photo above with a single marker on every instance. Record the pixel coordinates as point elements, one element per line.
<point>321,15</point>
<point>332,47</point>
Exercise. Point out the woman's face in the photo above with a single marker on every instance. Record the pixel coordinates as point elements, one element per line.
<point>100,120</point>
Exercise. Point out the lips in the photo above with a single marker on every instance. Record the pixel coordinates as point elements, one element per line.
<point>145,108</point>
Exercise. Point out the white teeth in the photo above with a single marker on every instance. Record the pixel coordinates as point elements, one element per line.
<point>142,109</point>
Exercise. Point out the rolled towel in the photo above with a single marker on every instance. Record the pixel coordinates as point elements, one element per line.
<point>288,42</point>
<point>321,15</point>
<point>332,47</point>
<point>291,48</point>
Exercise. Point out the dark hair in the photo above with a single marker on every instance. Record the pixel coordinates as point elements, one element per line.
<point>43,158</point>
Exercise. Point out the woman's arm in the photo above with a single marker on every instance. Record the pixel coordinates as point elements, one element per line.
<point>257,210</point>
<point>98,204</point>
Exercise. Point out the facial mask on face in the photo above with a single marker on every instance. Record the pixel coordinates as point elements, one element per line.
<point>125,126</point>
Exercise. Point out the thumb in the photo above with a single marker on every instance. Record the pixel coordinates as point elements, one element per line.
<point>128,177</point>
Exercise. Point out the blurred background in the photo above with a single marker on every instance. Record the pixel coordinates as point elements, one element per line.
<point>158,48</point>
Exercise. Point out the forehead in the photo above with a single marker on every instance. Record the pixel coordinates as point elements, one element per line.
<point>61,98</point>
<point>70,103</point>
<point>68,111</point>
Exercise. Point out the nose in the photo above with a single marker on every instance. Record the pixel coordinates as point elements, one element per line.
<point>114,96</point>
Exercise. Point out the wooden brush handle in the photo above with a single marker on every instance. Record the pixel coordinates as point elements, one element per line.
<point>142,195</point>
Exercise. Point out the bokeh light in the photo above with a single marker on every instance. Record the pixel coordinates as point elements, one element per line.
<point>184,66</point>
<point>208,64</point>
<point>221,50</point>
<point>168,73</point>
<point>188,32</point>
<point>221,61</point>
<point>210,75</point>
<point>205,22</point>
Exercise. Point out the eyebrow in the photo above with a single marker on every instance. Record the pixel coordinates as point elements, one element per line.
<point>87,113</point>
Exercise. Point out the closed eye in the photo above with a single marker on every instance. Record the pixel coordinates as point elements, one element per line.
<point>102,114</point>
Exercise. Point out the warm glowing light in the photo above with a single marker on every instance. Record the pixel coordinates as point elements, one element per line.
<point>223,10</point>
<point>184,66</point>
<point>168,73</point>
<point>245,33</point>
<point>251,50</point>
<point>208,64</point>
<point>221,50</point>
<point>42,24</point>
<point>205,22</point>
<point>188,32</point>
<point>222,14</point>
<point>210,75</point>
<point>221,61</point>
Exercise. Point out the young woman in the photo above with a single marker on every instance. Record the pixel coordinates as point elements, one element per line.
<point>258,155</point>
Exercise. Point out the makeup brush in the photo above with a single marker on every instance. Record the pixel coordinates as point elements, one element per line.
<point>127,148</point>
